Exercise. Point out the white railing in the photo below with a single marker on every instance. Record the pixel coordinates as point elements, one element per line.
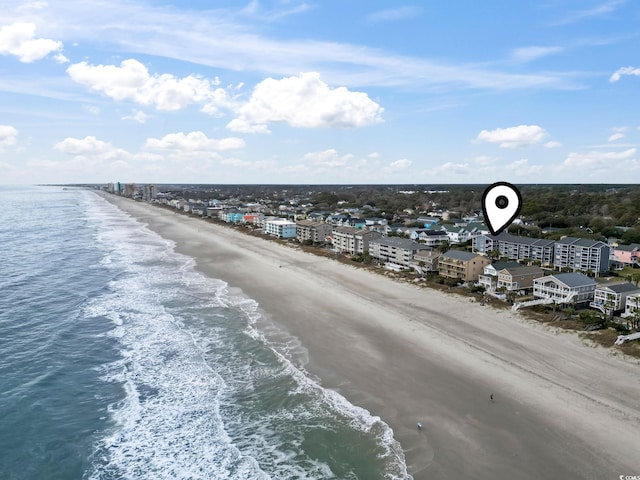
<point>627,338</point>
<point>543,301</point>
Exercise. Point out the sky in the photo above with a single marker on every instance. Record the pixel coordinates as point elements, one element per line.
<point>319,92</point>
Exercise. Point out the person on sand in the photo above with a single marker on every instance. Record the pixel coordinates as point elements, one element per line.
<point>491,397</point>
<point>419,425</point>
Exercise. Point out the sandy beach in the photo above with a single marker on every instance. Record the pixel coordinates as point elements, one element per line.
<point>562,409</point>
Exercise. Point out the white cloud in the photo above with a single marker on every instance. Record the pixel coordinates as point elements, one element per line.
<point>450,167</point>
<point>82,146</point>
<point>624,71</point>
<point>528,54</point>
<point>484,160</point>
<point>193,142</point>
<point>92,109</point>
<point>521,168</point>
<point>394,14</point>
<point>374,155</point>
<point>137,116</point>
<point>60,58</point>
<point>8,136</point>
<point>397,166</point>
<point>90,151</point>
<point>596,11</point>
<point>132,81</point>
<point>616,136</point>
<point>328,158</point>
<point>514,137</point>
<point>600,159</point>
<point>304,101</point>
<point>552,144</point>
<point>18,40</point>
<point>243,126</point>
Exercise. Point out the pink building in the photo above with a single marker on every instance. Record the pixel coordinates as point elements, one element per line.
<point>627,254</point>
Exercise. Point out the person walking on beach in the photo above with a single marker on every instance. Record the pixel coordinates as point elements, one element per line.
<point>419,425</point>
<point>491,397</point>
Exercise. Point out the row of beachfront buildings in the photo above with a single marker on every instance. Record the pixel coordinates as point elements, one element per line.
<point>525,265</point>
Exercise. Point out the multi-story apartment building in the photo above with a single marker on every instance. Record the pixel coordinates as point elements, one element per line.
<point>353,241</point>
<point>581,254</point>
<point>466,266</point>
<point>515,248</point>
<point>280,227</point>
<point>399,251</point>
<point>309,230</point>
<point>574,288</point>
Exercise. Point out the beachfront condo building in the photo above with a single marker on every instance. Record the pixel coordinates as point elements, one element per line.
<point>581,254</point>
<point>513,247</point>
<point>574,288</point>
<point>351,240</point>
<point>281,228</point>
<point>466,266</point>
<point>316,232</point>
<point>394,250</point>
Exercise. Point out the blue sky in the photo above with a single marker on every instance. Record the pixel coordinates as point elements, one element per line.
<point>292,91</point>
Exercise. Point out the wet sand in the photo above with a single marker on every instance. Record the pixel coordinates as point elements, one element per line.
<point>562,409</point>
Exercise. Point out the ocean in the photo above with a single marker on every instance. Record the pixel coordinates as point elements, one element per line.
<point>119,360</point>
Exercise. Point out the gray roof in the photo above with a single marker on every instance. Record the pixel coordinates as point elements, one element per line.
<point>350,230</point>
<point>433,233</point>
<point>502,265</point>
<point>567,240</point>
<point>586,242</point>
<point>627,248</point>
<point>574,279</point>
<point>460,255</point>
<point>399,243</point>
<point>621,287</point>
<point>507,237</point>
<point>523,270</point>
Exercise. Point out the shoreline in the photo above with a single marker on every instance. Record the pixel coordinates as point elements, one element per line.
<point>409,354</point>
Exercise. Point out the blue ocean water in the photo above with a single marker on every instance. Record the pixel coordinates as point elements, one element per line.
<point>118,360</point>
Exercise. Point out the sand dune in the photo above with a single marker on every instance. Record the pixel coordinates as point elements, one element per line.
<point>561,410</point>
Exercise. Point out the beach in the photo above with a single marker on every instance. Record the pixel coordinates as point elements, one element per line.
<point>561,408</point>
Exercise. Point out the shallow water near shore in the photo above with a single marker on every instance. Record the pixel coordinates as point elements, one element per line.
<point>119,360</point>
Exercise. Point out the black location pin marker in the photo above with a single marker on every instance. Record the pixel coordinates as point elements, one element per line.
<point>501,204</point>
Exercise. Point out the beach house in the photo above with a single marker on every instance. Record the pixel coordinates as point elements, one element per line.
<point>626,254</point>
<point>519,277</point>
<point>426,261</point>
<point>466,266</point>
<point>572,287</point>
<point>612,298</point>
<point>489,277</point>
<point>632,306</point>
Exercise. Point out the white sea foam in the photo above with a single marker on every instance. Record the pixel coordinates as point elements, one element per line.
<point>181,375</point>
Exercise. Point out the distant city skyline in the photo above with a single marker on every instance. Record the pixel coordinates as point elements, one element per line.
<point>291,91</point>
